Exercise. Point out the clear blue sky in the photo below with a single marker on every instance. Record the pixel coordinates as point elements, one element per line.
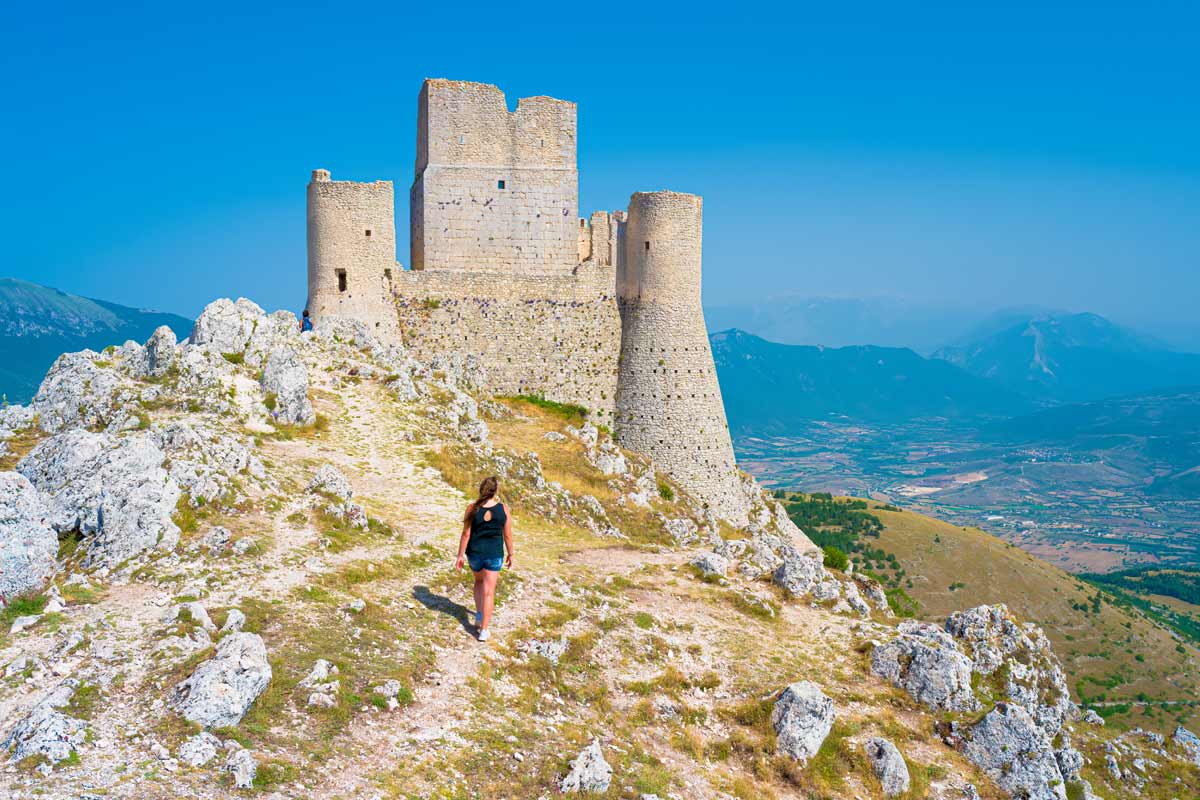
<point>1042,153</point>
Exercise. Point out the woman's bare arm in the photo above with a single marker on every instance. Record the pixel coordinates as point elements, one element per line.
<point>508,543</point>
<point>462,545</point>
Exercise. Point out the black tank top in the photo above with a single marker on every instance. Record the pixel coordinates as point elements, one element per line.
<point>487,535</point>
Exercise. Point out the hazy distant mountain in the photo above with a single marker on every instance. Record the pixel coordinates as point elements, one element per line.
<point>841,322</point>
<point>1071,358</point>
<point>1160,428</point>
<point>773,388</point>
<point>37,324</point>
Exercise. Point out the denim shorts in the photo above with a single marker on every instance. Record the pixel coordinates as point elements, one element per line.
<point>490,564</point>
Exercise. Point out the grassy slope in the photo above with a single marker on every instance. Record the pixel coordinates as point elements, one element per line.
<point>1098,646</point>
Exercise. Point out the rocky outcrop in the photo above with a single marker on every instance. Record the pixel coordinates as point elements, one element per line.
<point>888,766</point>
<point>589,772</point>
<point>1010,747</point>
<point>1018,660</point>
<point>225,326</point>
<point>158,356</point>
<point>1189,742</point>
<point>113,491</point>
<point>924,661</point>
<point>220,691</point>
<point>330,481</point>
<point>285,381</point>
<point>242,767</point>
<point>200,749</point>
<point>47,731</point>
<point>76,391</point>
<point>798,575</point>
<point>28,545</point>
<point>802,718</point>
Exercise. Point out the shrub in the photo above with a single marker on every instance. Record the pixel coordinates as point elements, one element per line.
<point>666,492</point>
<point>835,558</point>
<point>234,358</point>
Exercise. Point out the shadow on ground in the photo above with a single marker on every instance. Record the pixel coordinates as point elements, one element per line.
<point>444,605</point>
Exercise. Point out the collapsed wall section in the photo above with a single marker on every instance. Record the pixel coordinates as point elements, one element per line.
<point>668,400</point>
<point>494,189</point>
<point>554,335</point>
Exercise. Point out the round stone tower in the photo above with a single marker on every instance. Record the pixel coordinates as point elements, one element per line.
<point>668,402</point>
<point>352,252</point>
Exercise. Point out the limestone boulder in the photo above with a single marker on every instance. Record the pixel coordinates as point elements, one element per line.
<point>112,490</point>
<point>329,480</point>
<point>1012,749</point>
<point>243,767</point>
<point>205,461</point>
<point>1189,742</point>
<point>28,545</point>
<point>924,661</point>
<point>198,750</point>
<point>76,391</point>
<point>225,326</point>
<point>46,730</point>
<point>798,575</point>
<point>589,773</point>
<point>280,328</point>
<point>888,765</point>
<point>1032,676</point>
<point>711,565</point>
<point>158,356</point>
<point>285,378</point>
<point>221,690</point>
<point>802,718</point>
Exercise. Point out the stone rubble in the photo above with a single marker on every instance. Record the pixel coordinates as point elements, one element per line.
<point>589,773</point>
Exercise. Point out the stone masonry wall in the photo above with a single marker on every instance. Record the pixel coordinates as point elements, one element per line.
<point>554,335</point>
<point>668,400</point>
<point>351,250</point>
<point>494,189</point>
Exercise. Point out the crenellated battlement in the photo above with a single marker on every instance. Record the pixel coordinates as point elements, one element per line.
<point>602,311</point>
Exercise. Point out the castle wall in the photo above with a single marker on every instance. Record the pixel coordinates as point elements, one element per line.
<point>555,335</point>
<point>351,250</point>
<point>668,400</point>
<point>494,189</point>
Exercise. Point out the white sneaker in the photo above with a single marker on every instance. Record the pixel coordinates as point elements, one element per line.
<point>484,635</point>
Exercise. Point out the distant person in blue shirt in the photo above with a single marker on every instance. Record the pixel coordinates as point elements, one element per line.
<point>305,322</point>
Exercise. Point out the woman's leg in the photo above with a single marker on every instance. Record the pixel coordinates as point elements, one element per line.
<point>489,596</point>
<point>480,578</point>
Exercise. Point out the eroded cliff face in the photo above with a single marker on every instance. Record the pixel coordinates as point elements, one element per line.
<point>228,569</point>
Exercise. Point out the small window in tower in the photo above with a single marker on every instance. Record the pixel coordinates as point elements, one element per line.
<point>647,247</point>
<point>341,273</point>
<point>368,233</point>
<point>499,184</point>
<point>462,140</point>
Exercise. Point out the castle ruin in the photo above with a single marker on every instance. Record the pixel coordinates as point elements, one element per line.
<point>601,311</point>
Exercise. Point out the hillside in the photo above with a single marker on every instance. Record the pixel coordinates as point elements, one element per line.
<point>38,323</point>
<point>1112,654</point>
<point>1072,358</point>
<point>228,567</point>
<point>770,387</point>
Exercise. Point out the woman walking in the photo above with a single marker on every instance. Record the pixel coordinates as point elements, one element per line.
<point>486,537</point>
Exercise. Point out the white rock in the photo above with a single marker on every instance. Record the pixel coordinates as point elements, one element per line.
<point>200,749</point>
<point>924,661</point>
<point>242,766</point>
<point>221,689</point>
<point>802,718</point>
<point>589,772</point>
<point>225,326</point>
<point>23,623</point>
<point>799,575</point>
<point>286,377</point>
<point>47,731</point>
<point>888,765</point>
<point>28,545</point>
<point>76,391</point>
<point>234,621</point>
<point>114,491</point>
<point>159,353</point>
<point>1010,747</point>
<point>711,565</point>
<point>1189,742</point>
<point>329,480</point>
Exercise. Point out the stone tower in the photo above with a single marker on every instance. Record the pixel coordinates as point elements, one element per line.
<point>494,189</point>
<point>351,251</point>
<point>668,399</point>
